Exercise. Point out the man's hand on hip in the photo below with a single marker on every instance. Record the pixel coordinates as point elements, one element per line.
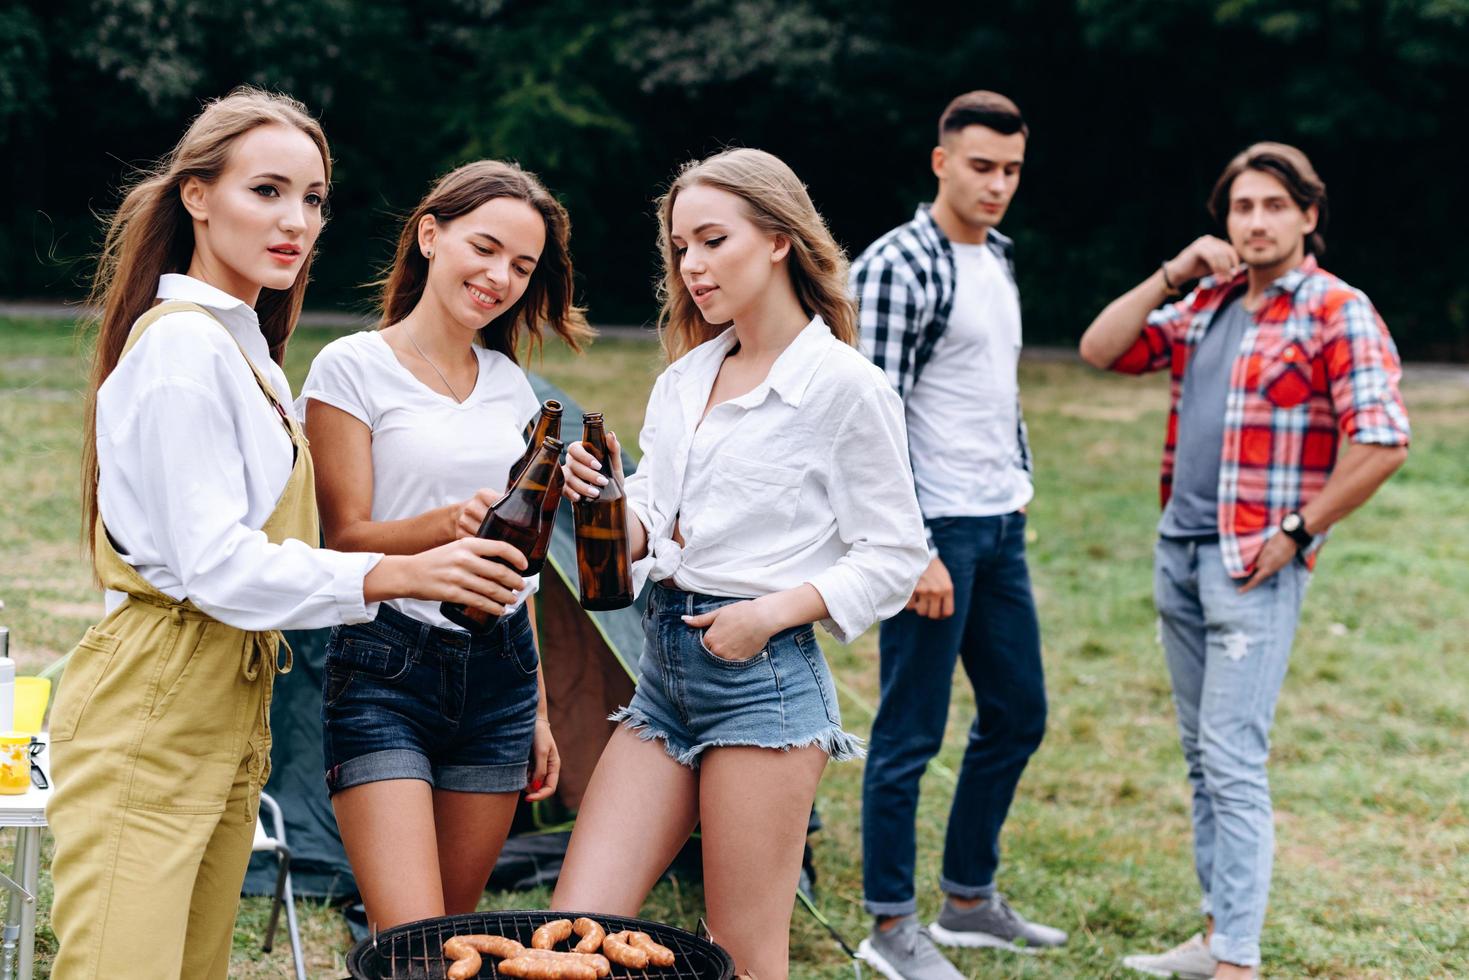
<point>1278,552</point>
<point>934,596</point>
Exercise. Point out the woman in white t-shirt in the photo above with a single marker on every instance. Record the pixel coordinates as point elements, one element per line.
<point>774,492</point>
<point>431,733</point>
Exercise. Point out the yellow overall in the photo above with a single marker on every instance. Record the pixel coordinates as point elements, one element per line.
<point>160,740</point>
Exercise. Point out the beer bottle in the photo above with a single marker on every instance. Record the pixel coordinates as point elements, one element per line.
<point>547,424</point>
<point>517,519</point>
<point>602,565</point>
<point>537,554</point>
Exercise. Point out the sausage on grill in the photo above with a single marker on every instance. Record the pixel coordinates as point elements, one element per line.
<point>594,960</point>
<point>591,933</point>
<point>658,955</point>
<point>548,935</point>
<point>465,952</point>
<point>620,950</point>
<point>529,967</point>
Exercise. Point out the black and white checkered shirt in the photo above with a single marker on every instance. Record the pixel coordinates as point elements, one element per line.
<point>904,285</point>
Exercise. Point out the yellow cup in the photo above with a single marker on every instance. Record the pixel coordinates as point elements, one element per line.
<point>31,695</point>
<point>15,763</point>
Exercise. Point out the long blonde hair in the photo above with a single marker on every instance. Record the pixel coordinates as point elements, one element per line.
<point>547,298</point>
<point>151,234</point>
<point>777,203</point>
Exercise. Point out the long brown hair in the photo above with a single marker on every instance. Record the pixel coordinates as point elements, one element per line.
<point>1286,164</point>
<point>548,296</point>
<point>777,203</point>
<point>151,234</point>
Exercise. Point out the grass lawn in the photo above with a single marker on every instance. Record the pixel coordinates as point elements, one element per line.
<point>1370,769</point>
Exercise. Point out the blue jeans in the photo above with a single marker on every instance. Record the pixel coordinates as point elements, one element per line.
<point>994,632</point>
<point>691,700</point>
<point>406,700</point>
<point>1227,656</point>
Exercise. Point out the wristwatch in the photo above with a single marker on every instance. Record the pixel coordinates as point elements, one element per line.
<point>1295,526</point>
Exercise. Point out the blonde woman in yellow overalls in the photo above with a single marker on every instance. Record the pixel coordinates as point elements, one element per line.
<point>200,503</point>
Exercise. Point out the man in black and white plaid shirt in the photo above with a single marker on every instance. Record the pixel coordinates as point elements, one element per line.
<point>940,314</point>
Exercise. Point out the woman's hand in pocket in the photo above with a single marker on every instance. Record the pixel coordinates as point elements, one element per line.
<point>736,632</point>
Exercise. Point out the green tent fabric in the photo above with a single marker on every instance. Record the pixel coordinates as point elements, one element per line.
<point>590,663</point>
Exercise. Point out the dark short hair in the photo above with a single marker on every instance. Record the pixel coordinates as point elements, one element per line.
<point>1289,166</point>
<point>983,108</point>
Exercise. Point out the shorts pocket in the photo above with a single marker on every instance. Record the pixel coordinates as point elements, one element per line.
<point>725,663</point>
<point>522,650</point>
<point>820,672</point>
<point>84,670</point>
<point>349,656</point>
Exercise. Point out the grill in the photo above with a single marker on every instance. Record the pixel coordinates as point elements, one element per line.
<point>415,951</point>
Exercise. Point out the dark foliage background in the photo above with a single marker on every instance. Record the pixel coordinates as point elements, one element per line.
<point>1134,107</point>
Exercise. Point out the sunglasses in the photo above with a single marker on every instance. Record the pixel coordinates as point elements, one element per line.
<point>38,778</point>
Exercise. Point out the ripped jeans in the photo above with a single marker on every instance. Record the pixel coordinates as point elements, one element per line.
<point>1227,656</point>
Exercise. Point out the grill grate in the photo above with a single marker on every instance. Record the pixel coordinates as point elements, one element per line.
<point>415,951</point>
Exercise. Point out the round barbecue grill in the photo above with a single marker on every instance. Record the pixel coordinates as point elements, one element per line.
<point>415,950</point>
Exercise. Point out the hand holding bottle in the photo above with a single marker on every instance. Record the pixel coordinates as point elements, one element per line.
<point>473,572</point>
<point>471,513</point>
<point>584,476</point>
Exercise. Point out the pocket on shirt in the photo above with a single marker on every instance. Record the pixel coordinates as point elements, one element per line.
<point>749,496</point>
<point>1286,378</point>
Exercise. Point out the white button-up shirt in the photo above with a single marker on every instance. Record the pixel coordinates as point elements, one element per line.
<point>805,478</point>
<point>192,459</point>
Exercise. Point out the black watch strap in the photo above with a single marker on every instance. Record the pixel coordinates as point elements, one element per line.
<point>1293,525</point>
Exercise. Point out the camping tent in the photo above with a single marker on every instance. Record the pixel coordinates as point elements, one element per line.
<point>590,663</point>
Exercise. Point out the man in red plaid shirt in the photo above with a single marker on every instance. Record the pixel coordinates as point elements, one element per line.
<point>1276,366</point>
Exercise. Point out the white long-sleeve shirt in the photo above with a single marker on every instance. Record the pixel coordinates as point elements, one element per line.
<point>192,459</point>
<point>805,478</point>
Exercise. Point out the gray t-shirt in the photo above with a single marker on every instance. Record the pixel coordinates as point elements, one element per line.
<point>1193,507</point>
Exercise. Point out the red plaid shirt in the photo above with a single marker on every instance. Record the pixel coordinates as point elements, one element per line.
<point>1316,363</point>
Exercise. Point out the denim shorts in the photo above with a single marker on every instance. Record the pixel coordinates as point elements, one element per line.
<point>691,700</point>
<point>406,700</point>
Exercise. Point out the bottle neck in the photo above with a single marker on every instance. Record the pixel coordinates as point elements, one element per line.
<point>594,434</point>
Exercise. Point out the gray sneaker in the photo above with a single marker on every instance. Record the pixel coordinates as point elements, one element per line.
<point>993,923</point>
<point>905,952</point>
<point>1189,960</point>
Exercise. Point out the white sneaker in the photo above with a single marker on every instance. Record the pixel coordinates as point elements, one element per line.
<point>1189,960</point>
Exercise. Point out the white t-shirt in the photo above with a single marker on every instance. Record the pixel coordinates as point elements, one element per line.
<point>963,414</point>
<point>428,451</point>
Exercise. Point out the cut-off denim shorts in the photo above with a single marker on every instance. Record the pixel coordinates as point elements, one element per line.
<point>691,700</point>
<point>406,700</point>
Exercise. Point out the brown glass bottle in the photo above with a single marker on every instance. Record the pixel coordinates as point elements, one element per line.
<point>537,554</point>
<point>548,423</point>
<point>602,554</point>
<point>517,519</point>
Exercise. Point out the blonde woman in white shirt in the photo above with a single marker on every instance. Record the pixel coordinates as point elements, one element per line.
<point>772,495</point>
<point>430,733</point>
<point>197,492</point>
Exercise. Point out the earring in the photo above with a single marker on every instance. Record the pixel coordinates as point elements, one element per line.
<point>428,253</point>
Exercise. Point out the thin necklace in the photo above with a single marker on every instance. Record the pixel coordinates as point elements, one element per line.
<point>454,394</point>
